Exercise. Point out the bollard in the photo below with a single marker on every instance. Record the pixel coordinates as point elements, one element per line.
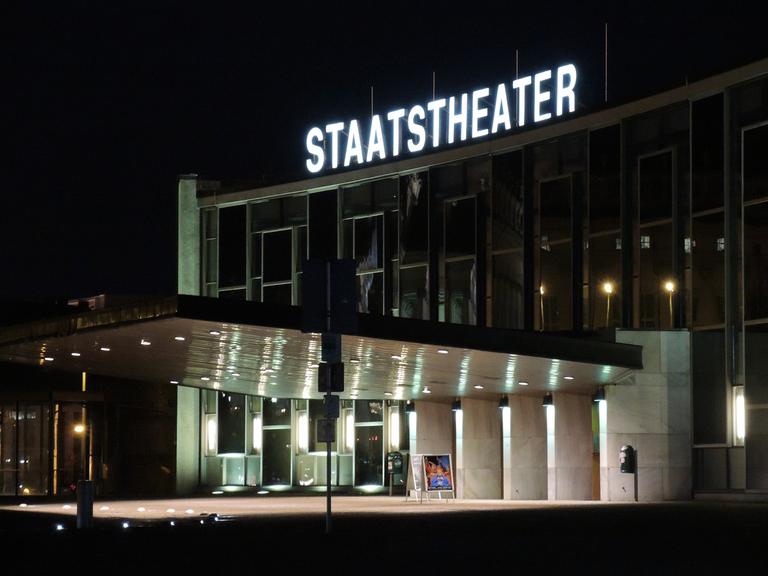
<point>84,504</point>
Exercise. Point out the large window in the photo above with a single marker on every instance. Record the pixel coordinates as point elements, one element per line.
<point>24,449</point>
<point>276,449</point>
<point>604,244</point>
<point>369,442</point>
<point>507,240</point>
<point>232,252</point>
<point>657,282</point>
<point>414,246</point>
<point>210,249</point>
<point>369,236</point>
<point>278,246</point>
<point>555,252</point>
<point>556,177</point>
<point>454,191</point>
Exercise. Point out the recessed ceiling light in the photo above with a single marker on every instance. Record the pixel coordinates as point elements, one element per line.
<point>427,391</point>
<point>314,366</point>
<point>523,383</point>
<point>478,386</point>
<point>145,342</point>
<point>204,378</point>
<point>235,374</point>
<point>267,371</point>
<point>75,354</point>
<point>442,351</point>
<point>354,360</point>
<point>396,357</point>
<point>387,393</point>
<point>214,333</point>
<point>48,359</point>
<point>174,381</point>
<point>568,377</point>
<point>179,338</point>
<point>104,349</point>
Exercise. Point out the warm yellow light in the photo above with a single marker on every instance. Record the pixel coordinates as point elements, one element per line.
<point>79,428</point>
<point>541,289</point>
<point>608,287</point>
<point>669,286</point>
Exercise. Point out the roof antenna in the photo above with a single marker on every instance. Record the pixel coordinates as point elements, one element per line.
<point>606,62</point>
<point>517,72</point>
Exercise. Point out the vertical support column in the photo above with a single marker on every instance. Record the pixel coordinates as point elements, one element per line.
<point>506,452</point>
<point>188,249</point>
<point>551,467</point>
<point>569,447</point>
<point>460,476</point>
<point>602,415</point>
<point>527,460</point>
<point>187,439</point>
<point>413,435</point>
<point>650,410</point>
<point>478,449</point>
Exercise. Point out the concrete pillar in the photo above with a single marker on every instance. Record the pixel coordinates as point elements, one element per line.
<point>650,410</point>
<point>188,256</point>
<point>525,462</point>
<point>434,429</point>
<point>478,450</point>
<point>570,466</point>
<point>187,439</point>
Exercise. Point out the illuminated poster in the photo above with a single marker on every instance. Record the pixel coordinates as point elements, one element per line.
<point>438,473</point>
<point>416,472</point>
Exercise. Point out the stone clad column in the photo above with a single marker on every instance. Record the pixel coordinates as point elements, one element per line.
<point>650,410</point>
<point>526,464</point>
<point>570,476</point>
<point>478,450</point>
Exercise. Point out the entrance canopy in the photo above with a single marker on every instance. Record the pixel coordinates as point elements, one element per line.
<point>259,349</point>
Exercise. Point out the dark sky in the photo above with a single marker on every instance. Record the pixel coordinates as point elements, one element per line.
<point>109,103</point>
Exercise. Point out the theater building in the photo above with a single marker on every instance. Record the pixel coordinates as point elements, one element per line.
<point>537,286</point>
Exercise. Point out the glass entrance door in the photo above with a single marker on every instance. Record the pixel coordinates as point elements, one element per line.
<point>76,454</point>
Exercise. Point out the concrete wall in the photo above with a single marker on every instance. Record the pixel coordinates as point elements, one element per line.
<point>525,460</point>
<point>434,428</point>
<point>478,450</point>
<point>188,257</point>
<point>187,439</point>
<point>571,476</point>
<point>651,411</point>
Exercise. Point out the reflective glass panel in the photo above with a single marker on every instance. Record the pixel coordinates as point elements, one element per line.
<point>414,296</point>
<point>232,246</point>
<point>414,218</point>
<point>278,256</point>
<point>460,292</point>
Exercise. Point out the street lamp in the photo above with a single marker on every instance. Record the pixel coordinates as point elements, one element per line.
<point>608,289</point>
<point>669,286</point>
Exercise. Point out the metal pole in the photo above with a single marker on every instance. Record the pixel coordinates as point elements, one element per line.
<point>636,469</point>
<point>84,504</point>
<point>606,61</point>
<point>328,403</point>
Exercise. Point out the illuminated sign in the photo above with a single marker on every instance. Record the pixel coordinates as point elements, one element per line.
<point>469,116</point>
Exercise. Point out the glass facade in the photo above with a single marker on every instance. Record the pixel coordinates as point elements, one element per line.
<point>657,220</point>
<point>278,443</point>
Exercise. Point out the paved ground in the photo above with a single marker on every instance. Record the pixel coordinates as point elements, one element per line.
<point>372,535</point>
<point>260,506</point>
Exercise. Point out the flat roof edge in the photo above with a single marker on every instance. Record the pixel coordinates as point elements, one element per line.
<point>598,118</point>
<point>141,310</point>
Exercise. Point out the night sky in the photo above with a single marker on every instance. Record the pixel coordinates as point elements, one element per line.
<point>106,105</point>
